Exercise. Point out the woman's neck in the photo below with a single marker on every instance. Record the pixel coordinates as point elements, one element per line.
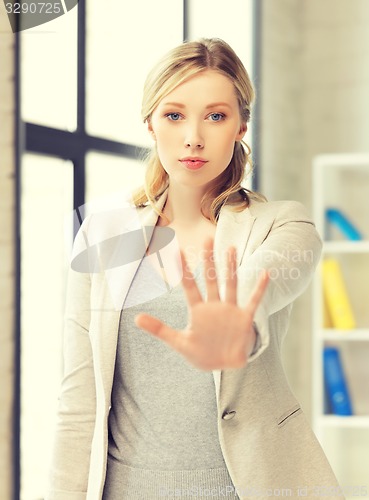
<point>183,206</point>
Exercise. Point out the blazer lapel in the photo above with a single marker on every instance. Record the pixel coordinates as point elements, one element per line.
<point>233,229</point>
<point>119,278</point>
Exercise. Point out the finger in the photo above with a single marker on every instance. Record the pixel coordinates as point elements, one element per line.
<point>159,330</point>
<point>231,291</point>
<point>189,284</point>
<point>257,293</point>
<point>210,271</point>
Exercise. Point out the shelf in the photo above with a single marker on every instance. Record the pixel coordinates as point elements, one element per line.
<point>338,160</point>
<point>355,421</point>
<point>342,181</point>
<point>345,246</point>
<point>357,335</point>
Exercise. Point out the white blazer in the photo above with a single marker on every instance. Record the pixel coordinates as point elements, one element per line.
<point>267,443</point>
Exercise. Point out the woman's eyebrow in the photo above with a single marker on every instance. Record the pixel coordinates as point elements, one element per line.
<point>176,104</point>
<point>212,105</point>
<point>215,104</point>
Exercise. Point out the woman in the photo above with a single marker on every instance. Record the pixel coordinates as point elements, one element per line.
<point>177,389</point>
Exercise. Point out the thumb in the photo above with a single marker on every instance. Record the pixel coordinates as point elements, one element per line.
<point>159,329</point>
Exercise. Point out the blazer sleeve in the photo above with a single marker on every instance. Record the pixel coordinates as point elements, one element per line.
<point>290,251</point>
<point>77,402</point>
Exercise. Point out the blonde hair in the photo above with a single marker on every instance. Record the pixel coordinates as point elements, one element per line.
<point>180,64</point>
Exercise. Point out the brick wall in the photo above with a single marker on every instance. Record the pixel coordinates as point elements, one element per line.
<point>6,251</point>
<point>336,76</point>
<point>281,98</point>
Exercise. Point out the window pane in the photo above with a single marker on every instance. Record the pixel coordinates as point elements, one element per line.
<point>231,21</point>
<point>124,39</point>
<point>49,73</point>
<point>46,239</point>
<point>109,179</point>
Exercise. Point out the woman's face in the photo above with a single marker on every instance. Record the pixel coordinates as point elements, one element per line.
<point>195,128</point>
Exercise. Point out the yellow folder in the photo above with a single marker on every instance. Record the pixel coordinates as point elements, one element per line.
<point>336,297</point>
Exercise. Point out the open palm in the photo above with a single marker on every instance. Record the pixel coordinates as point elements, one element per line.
<point>219,333</point>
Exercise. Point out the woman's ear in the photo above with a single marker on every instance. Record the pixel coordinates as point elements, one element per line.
<point>151,130</point>
<point>242,131</point>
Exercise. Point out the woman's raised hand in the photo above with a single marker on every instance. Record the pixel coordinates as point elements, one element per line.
<point>219,334</point>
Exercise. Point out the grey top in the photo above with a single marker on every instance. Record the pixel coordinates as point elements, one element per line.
<point>163,432</point>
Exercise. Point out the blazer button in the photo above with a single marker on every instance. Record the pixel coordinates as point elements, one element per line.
<point>228,415</point>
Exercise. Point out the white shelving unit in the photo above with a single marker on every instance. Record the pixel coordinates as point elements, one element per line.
<point>342,181</point>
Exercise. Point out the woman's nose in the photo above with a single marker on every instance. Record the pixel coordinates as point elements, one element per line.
<point>194,138</point>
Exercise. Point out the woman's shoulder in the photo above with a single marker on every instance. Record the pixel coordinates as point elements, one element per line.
<point>101,224</point>
<point>278,209</point>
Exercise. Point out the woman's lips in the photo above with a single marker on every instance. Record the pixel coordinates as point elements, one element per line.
<point>193,164</point>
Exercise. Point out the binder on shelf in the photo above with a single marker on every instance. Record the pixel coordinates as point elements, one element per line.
<point>337,392</point>
<point>347,228</point>
<point>327,319</point>
<point>336,297</point>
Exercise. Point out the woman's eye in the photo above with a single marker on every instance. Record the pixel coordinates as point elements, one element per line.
<point>216,117</point>
<point>173,116</point>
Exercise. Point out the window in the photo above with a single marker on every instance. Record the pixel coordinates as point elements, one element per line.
<point>49,76</point>
<point>133,35</point>
<point>46,239</point>
<point>118,176</point>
